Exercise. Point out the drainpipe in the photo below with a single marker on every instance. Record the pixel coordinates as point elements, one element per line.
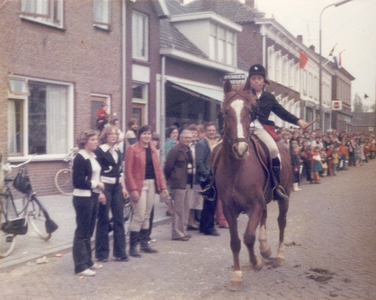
<point>123,65</point>
<point>163,110</point>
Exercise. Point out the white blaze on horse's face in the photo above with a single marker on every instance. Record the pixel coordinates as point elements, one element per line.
<point>241,147</point>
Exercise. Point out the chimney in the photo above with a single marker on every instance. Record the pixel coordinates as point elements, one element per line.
<point>250,3</point>
<point>312,47</point>
<point>300,38</point>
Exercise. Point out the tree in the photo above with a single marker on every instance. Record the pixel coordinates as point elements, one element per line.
<point>358,104</point>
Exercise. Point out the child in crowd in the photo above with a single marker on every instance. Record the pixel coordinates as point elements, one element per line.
<point>295,160</point>
<point>335,160</point>
<point>316,164</point>
<point>343,152</point>
<point>329,158</point>
<point>324,163</point>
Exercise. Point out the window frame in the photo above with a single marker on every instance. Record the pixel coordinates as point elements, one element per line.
<point>136,41</point>
<point>24,154</point>
<point>101,23</point>
<point>54,17</point>
<point>141,103</point>
<point>215,39</point>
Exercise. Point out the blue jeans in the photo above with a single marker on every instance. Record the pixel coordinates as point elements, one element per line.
<point>342,159</point>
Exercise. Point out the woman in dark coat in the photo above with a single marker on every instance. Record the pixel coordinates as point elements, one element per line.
<point>110,160</point>
<point>86,194</point>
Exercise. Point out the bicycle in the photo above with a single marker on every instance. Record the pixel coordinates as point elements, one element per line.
<point>63,177</point>
<point>15,215</point>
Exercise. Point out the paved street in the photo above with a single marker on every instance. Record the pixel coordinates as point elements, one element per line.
<point>330,255</point>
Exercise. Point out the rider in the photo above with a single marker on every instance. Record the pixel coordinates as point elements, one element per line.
<point>266,103</point>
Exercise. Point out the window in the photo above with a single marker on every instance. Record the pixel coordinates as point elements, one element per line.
<point>222,45</point>
<point>39,123</point>
<point>278,67</point>
<point>271,63</point>
<point>49,12</point>
<point>284,70</point>
<point>140,36</point>
<point>310,85</point>
<point>305,82</point>
<point>102,14</point>
<point>140,102</point>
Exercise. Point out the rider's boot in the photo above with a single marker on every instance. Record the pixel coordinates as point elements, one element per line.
<point>278,193</point>
<point>209,192</point>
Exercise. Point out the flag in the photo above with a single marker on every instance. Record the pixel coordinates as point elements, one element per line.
<point>365,96</point>
<point>339,59</point>
<point>303,59</point>
<point>332,51</point>
<point>335,62</point>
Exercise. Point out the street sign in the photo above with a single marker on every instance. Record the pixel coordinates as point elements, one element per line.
<point>234,78</point>
<point>336,105</point>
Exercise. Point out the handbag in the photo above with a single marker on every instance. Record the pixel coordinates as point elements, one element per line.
<point>15,226</point>
<point>324,165</point>
<point>22,181</point>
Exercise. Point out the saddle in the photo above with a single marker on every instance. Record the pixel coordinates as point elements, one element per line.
<point>263,155</point>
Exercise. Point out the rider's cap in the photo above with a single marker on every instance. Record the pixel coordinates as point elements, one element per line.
<point>257,70</point>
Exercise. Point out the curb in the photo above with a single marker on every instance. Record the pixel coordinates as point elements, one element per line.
<point>67,248</point>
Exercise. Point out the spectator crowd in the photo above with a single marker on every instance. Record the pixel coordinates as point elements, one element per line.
<point>112,166</point>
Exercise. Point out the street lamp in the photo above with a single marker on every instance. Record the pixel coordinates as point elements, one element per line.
<point>320,63</point>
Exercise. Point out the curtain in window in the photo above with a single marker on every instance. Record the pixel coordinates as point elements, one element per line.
<point>101,11</point>
<point>56,119</point>
<point>12,134</point>
<point>40,7</point>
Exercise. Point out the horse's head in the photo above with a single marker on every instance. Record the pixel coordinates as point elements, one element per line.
<point>236,115</point>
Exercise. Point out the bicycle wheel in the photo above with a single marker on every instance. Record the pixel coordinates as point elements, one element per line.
<point>7,240</point>
<point>37,219</point>
<point>63,182</point>
<point>7,243</point>
<point>128,213</point>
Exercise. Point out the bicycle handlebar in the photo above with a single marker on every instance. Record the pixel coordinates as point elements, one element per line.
<point>21,164</point>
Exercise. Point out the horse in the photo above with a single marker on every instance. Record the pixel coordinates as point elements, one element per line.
<point>242,181</point>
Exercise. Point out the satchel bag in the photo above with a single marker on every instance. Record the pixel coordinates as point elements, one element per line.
<point>22,181</point>
<point>16,226</point>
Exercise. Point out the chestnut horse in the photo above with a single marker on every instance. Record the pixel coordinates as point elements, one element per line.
<point>241,179</point>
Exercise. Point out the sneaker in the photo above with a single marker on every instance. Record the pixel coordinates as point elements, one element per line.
<point>96,266</point>
<point>88,272</point>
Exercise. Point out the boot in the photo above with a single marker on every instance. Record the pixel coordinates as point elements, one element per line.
<point>317,180</point>
<point>277,191</point>
<point>295,187</point>
<point>144,234</point>
<point>133,238</point>
<point>210,191</point>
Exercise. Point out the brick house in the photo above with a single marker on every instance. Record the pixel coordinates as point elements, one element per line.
<point>60,60</point>
<point>364,123</point>
<point>341,93</point>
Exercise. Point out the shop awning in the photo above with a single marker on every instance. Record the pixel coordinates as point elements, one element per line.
<point>199,91</point>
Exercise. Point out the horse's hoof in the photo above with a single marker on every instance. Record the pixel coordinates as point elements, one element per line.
<point>278,262</point>
<point>266,254</point>
<point>259,265</point>
<point>236,282</point>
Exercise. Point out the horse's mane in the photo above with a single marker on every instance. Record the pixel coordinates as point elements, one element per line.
<point>243,88</point>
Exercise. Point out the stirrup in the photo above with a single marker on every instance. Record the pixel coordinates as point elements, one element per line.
<point>208,191</point>
<point>280,195</point>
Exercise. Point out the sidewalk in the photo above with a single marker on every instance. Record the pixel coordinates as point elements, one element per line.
<point>29,247</point>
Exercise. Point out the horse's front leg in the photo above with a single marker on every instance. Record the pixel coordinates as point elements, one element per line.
<point>254,217</point>
<point>264,246</point>
<point>236,282</point>
<point>282,220</point>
